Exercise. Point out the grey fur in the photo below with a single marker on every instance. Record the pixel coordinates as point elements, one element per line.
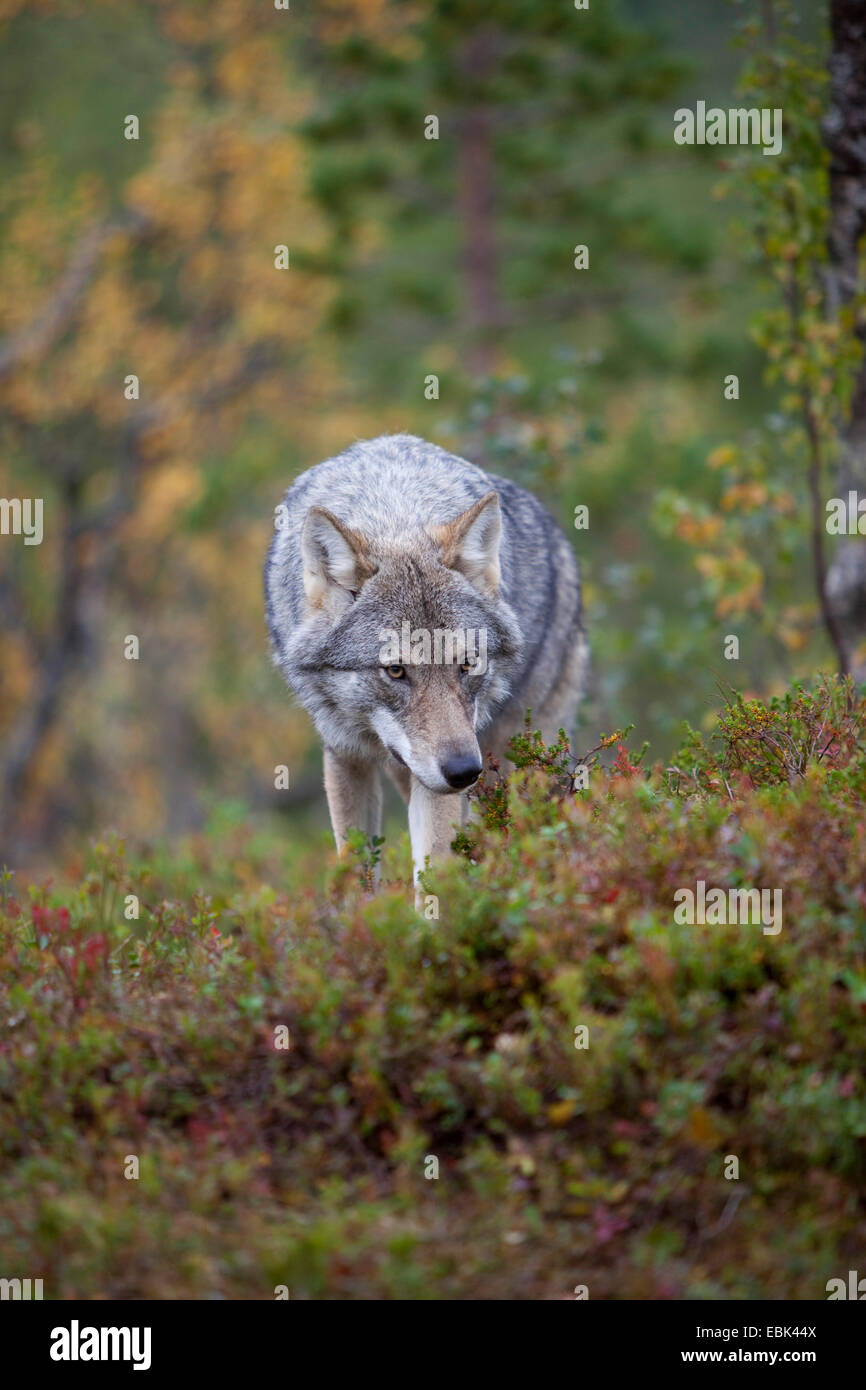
<point>390,490</point>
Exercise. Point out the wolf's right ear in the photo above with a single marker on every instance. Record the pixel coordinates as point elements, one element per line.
<point>470,543</point>
<point>336,561</point>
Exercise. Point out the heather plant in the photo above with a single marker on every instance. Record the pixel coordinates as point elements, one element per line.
<point>764,743</point>
<point>285,1062</point>
<point>562,774</point>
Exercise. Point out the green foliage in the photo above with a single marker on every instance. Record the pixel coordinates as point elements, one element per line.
<point>562,775</point>
<point>533,81</point>
<point>458,1039</point>
<point>751,536</point>
<point>367,850</point>
<point>765,744</point>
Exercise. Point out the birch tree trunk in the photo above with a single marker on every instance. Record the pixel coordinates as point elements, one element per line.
<point>844,130</point>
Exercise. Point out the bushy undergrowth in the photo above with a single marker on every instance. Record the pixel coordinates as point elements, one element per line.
<point>457,1040</point>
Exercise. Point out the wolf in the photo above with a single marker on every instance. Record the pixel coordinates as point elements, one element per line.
<point>385,558</point>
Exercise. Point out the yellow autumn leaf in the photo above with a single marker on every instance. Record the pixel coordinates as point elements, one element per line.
<point>171,488</point>
<point>560,1112</point>
<point>724,454</point>
<point>701,1128</point>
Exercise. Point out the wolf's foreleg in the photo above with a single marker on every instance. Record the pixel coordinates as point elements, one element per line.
<point>431,820</point>
<point>354,792</point>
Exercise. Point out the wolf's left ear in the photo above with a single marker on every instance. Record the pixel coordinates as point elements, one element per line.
<point>336,561</point>
<point>470,543</point>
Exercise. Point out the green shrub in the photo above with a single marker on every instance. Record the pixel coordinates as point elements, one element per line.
<point>457,1042</point>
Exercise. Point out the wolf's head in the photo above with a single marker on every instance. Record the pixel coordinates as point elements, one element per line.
<point>406,643</point>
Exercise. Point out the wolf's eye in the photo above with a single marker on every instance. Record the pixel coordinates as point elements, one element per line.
<point>467,666</point>
<point>397,673</point>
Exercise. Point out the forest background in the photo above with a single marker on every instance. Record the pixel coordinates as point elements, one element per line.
<point>409,259</point>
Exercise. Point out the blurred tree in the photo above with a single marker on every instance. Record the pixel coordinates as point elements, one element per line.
<point>807,218</point>
<point>177,287</point>
<point>473,114</point>
<point>845,134</point>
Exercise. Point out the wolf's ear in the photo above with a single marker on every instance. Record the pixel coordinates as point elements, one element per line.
<point>336,560</point>
<point>470,543</point>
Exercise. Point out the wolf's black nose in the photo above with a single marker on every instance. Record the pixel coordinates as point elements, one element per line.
<point>461,771</point>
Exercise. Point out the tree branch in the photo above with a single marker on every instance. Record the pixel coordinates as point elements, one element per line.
<point>63,302</point>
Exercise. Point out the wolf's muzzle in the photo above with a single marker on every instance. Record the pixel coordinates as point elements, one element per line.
<point>461,771</point>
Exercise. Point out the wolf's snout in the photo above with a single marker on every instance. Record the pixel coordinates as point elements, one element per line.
<point>461,770</point>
